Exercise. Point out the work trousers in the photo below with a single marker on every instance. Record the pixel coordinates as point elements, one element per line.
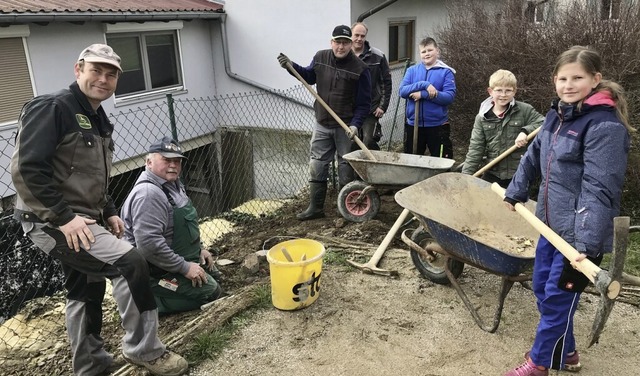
<point>437,139</point>
<point>368,127</point>
<point>85,273</point>
<point>325,144</point>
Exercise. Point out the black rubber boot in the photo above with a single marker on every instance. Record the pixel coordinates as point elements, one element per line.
<point>318,192</point>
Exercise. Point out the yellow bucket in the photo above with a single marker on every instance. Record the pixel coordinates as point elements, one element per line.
<point>295,284</point>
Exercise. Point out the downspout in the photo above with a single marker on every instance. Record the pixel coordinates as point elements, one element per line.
<point>375,10</point>
<point>248,81</point>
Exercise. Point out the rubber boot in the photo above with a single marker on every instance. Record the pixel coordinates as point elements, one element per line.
<point>317,194</point>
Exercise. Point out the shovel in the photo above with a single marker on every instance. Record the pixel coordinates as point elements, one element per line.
<point>371,266</point>
<point>416,116</point>
<point>330,111</point>
<point>606,282</point>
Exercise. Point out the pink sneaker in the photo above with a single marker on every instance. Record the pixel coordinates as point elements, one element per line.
<point>527,369</point>
<point>571,362</point>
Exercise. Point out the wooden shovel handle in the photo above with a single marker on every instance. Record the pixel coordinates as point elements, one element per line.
<point>500,157</point>
<point>585,266</point>
<point>416,116</point>
<point>330,111</point>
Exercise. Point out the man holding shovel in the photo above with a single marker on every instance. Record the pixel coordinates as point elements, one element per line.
<point>343,81</point>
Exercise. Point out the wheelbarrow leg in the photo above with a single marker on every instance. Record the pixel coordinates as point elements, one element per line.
<point>506,287</point>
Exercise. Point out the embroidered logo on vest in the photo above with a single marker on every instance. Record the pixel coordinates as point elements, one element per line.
<point>83,121</point>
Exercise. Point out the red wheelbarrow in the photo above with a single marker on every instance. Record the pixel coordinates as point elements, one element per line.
<point>359,201</point>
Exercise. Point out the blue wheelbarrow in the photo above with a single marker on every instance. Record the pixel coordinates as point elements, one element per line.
<point>463,222</point>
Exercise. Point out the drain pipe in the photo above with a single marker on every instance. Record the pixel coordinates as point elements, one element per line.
<point>375,10</point>
<point>248,81</point>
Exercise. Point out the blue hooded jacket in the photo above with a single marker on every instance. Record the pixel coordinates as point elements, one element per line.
<point>581,156</point>
<point>433,111</point>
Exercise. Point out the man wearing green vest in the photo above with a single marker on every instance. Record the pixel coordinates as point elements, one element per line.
<point>162,223</point>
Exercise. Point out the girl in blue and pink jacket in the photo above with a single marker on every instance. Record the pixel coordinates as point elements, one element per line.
<point>580,156</point>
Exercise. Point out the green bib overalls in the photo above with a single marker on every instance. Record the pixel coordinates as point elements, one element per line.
<point>186,243</point>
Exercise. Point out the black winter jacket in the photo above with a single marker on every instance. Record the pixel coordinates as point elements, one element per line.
<point>62,159</point>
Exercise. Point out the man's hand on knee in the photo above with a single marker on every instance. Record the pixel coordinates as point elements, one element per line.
<point>196,274</point>
<point>77,232</point>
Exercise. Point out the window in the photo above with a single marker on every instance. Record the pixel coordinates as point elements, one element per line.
<point>535,11</point>
<point>610,9</point>
<point>401,40</point>
<point>150,57</point>
<point>17,88</point>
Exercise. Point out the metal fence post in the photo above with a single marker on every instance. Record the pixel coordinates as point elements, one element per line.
<point>395,114</point>
<point>172,117</point>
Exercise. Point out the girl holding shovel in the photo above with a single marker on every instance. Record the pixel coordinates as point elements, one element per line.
<point>581,156</point>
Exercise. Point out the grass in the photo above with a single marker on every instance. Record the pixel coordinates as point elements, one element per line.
<point>332,257</point>
<point>262,297</point>
<point>208,345</point>
<point>632,261</point>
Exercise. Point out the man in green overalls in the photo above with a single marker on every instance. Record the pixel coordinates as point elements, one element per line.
<point>162,223</point>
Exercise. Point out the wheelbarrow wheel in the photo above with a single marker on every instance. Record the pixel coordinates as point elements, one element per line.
<point>355,210</point>
<point>433,270</point>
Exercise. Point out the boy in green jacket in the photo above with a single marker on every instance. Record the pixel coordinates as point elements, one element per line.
<point>501,122</point>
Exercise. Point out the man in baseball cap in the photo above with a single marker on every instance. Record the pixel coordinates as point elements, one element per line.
<point>343,80</point>
<point>71,218</point>
<point>100,53</point>
<point>167,147</point>
<point>161,220</point>
<point>341,32</point>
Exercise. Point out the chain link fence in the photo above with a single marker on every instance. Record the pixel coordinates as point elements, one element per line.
<point>243,149</point>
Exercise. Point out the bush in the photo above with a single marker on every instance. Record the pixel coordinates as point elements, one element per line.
<point>480,40</point>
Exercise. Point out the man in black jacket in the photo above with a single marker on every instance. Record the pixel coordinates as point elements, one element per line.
<point>60,169</point>
<point>381,84</point>
<point>344,83</point>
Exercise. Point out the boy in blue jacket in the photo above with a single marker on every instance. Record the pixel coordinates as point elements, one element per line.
<point>431,86</point>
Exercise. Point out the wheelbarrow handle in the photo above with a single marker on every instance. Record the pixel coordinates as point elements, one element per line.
<point>330,111</point>
<point>599,277</point>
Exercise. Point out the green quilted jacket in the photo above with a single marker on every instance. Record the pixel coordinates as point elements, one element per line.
<point>492,136</point>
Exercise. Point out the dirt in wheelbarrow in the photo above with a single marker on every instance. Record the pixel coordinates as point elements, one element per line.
<point>374,325</point>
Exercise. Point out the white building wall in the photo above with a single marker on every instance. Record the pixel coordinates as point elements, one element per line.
<point>259,30</point>
<point>429,15</point>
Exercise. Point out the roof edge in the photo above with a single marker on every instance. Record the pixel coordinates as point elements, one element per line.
<point>24,18</point>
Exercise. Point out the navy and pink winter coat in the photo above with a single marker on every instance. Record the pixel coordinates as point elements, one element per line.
<point>580,155</point>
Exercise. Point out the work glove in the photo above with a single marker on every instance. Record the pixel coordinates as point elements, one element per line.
<point>353,130</point>
<point>283,60</point>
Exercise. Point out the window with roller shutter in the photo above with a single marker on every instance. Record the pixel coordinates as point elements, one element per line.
<point>15,77</point>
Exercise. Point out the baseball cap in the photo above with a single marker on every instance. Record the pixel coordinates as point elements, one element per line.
<point>341,32</point>
<point>100,53</point>
<point>167,147</point>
